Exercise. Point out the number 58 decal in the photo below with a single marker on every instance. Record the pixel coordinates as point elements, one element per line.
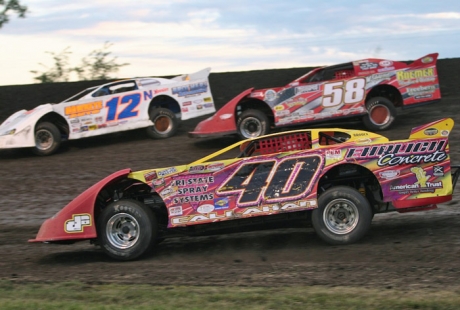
<point>347,92</point>
<point>272,180</point>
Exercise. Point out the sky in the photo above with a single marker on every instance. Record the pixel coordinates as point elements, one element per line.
<point>169,37</point>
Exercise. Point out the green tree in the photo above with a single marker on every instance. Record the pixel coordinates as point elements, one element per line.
<point>11,6</point>
<point>60,72</point>
<point>98,65</point>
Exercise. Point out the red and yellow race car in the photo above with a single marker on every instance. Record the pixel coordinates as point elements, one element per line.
<point>369,89</point>
<point>337,179</point>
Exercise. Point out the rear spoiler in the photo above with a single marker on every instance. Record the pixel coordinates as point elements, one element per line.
<point>437,129</point>
<point>422,61</point>
<point>202,74</point>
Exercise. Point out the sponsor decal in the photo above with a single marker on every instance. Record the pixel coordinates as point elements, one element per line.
<point>445,133</point>
<point>226,116</point>
<point>76,130</point>
<point>206,208</point>
<point>193,181</point>
<point>102,126</point>
<point>256,94</point>
<point>199,107</point>
<point>385,69</point>
<point>402,153</point>
<point>186,103</point>
<point>367,65</point>
<point>282,113</point>
<point>438,171</point>
<point>270,95</point>
<point>306,89</point>
<point>99,119</point>
<point>215,167</point>
<point>421,90</point>
<point>414,74</point>
<point>208,105</point>
<point>221,203</point>
<point>93,127</point>
<point>279,107</point>
<point>190,89</point>
<point>150,176</point>
<point>175,211</point>
<point>244,212</point>
<point>389,174</point>
<point>363,140</point>
<point>422,185</point>
<point>427,60</point>
<point>207,99</point>
<point>360,134</point>
<point>77,223</point>
<point>75,121</point>
<point>334,154</point>
<point>84,128</point>
<point>166,172</point>
<point>197,101</point>
<point>161,90</point>
<point>386,63</point>
<point>158,182</point>
<point>197,169</point>
<point>193,198</point>
<point>380,76</point>
<point>83,109</point>
<point>184,110</point>
<point>430,131</point>
<point>168,192</point>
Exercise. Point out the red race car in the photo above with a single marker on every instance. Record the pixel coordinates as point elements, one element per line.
<point>370,89</point>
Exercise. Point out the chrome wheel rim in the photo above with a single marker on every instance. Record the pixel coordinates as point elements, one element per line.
<point>162,124</point>
<point>43,139</point>
<point>251,127</point>
<point>341,216</point>
<point>122,231</point>
<point>379,114</point>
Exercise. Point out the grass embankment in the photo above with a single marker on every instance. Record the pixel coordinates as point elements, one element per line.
<point>110,296</point>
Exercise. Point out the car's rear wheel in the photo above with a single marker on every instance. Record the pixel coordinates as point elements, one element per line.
<point>165,123</point>
<point>47,139</point>
<point>252,124</point>
<point>343,215</point>
<point>127,229</point>
<point>381,114</point>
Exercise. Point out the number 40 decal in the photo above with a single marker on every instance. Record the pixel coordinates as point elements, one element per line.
<point>347,92</point>
<point>129,104</point>
<point>272,181</point>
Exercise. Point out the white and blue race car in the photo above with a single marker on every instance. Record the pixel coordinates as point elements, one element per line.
<point>157,104</point>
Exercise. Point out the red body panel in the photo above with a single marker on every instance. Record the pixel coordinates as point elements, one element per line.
<point>76,220</point>
<point>223,122</point>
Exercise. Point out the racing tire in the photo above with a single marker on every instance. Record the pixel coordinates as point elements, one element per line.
<point>252,124</point>
<point>381,114</point>
<point>127,229</point>
<point>343,216</point>
<point>47,139</point>
<point>165,124</point>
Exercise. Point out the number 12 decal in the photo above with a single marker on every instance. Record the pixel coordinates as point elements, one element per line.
<point>131,101</point>
<point>272,181</point>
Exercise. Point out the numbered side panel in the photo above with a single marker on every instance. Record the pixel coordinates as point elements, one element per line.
<point>241,188</point>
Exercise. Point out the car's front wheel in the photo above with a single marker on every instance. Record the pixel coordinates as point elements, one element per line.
<point>127,229</point>
<point>165,123</point>
<point>381,114</point>
<point>252,124</point>
<point>47,139</point>
<point>343,215</point>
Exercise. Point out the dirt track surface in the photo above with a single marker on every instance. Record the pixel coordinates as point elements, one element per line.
<point>402,251</point>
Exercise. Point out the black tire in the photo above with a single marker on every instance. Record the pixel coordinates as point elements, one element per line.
<point>47,139</point>
<point>252,124</point>
<point>343,215</point>
<point>165,123</point>
<point>127,229</point>
<point>381,114</point>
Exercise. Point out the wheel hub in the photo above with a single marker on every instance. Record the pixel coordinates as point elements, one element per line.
<point>122,230</point>
<point>341,216</point>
